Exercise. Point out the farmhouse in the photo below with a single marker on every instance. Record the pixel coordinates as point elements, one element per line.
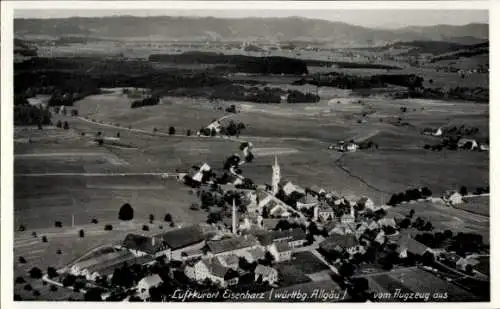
<point>452,197</point>
<point>289,187</point>
<point>366,203</point>
<point>213,270</point>
<point>230,261</point>
<point>235,245</point>
<point>408,245</point>
<point>467,143</point>
<point>254,255</point>
<point>143,245</point>
<point>324,213</point>
<point>347,242</point>
<point>294,237</point>
<point>266,273</point>
<point>308,201</point>
<point>183,237</point>
<point>281,251</point>
<point>145,284</point>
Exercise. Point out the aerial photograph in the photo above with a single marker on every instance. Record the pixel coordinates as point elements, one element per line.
<point>251,155</point>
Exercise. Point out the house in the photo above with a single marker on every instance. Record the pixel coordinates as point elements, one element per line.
<point>230,261</point>
<point>212,269</point>
<point>308,201</point>
<point>342,229</point>
<point>191,254</point>
<point>316,190</point>
<point>351,147</point>
<point>471,260</point>
<point>281,251</point>
<point>452,197</point>
<point>366,203</point>
<point>234,245</point>
<point>198,176</point>
<point>289,187</point>
<point>429,131</point>
<point>183,237</point>
<point>295,237</point>
<point>268,274</point>
<point>387,222</point>
<point>409,245</point>
<point>254,255</point>
<point>467,143</point>
<point>347,242</point>
<point>324,213</point>
<point>141,245</point>
<point>484,147</point>
<point>215,125</point>
<point>278,210</point>
<point>147,283</point>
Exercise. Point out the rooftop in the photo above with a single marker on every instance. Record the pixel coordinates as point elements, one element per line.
<point>143,243</point>
<point>183,237</point>
<point>230,244</point>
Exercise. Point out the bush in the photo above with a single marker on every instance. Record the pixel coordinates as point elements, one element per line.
<point>53,288</point>
<point>36,293</point>
<point>36,273</point>
<point>28,287</point>
<point>44,239</point>
<point>22,228</point>
<point>58,251</point>
<point>66,125</point>
<point>172,224</point>
<point>22,260</point>
<point>81,233</point>
<point>94,221</point>
<point>20,280</point>
<point>145,102</point>
<point>58,224</point>
<point>126,212</point>
<point>108,227</point>
<point>188,133</point>
<point>145,227</point>
<point>59,124</point>
<point>17,297</point>
<point>168,218</point>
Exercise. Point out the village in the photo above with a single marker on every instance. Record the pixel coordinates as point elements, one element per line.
<point>277,236</point>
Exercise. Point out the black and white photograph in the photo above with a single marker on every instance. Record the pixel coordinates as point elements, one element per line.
<point>326,155</point>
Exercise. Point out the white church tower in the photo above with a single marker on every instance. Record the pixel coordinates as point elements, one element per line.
<point>276,176</point>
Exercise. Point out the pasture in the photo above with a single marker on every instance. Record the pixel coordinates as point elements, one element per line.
<point>445,217</point>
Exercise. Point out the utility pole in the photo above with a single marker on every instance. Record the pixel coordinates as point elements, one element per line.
<point>234,217</point>
<point>72,220</point>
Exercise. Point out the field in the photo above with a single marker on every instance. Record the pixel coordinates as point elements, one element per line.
<point>476,204</point>
<point>415,280</point>
<point>444,217</point>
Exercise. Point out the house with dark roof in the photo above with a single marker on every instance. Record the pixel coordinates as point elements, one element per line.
<point>234,245</point>
<point>183,237</point>
<point>347,242</point>
<point>141,245</point>
<point>408,245</point>
<point>281,251</point>
<point>294,237</point>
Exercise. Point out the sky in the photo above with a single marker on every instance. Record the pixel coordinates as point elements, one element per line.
<point>381,18</point>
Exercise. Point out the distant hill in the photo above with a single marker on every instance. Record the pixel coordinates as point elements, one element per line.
<point>219,29</point>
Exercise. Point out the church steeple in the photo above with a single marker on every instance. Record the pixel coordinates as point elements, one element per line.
<point>276,176</point>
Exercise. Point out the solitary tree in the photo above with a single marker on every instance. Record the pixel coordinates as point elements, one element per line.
<point>66,125</point>
<point>36,273</point>
<point>44,239</point>
<point>108,227</point>
<point>151,218</point>
<point>145,227</point>
<point>59,124</point>
<point>81,233</point>
<point>171,131</point>
<point>52,272</point>
<point>168,218</point>
<point>188,133</point>
<point>22,260</point>
<point>126,212</point>
<point>58,224</point>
